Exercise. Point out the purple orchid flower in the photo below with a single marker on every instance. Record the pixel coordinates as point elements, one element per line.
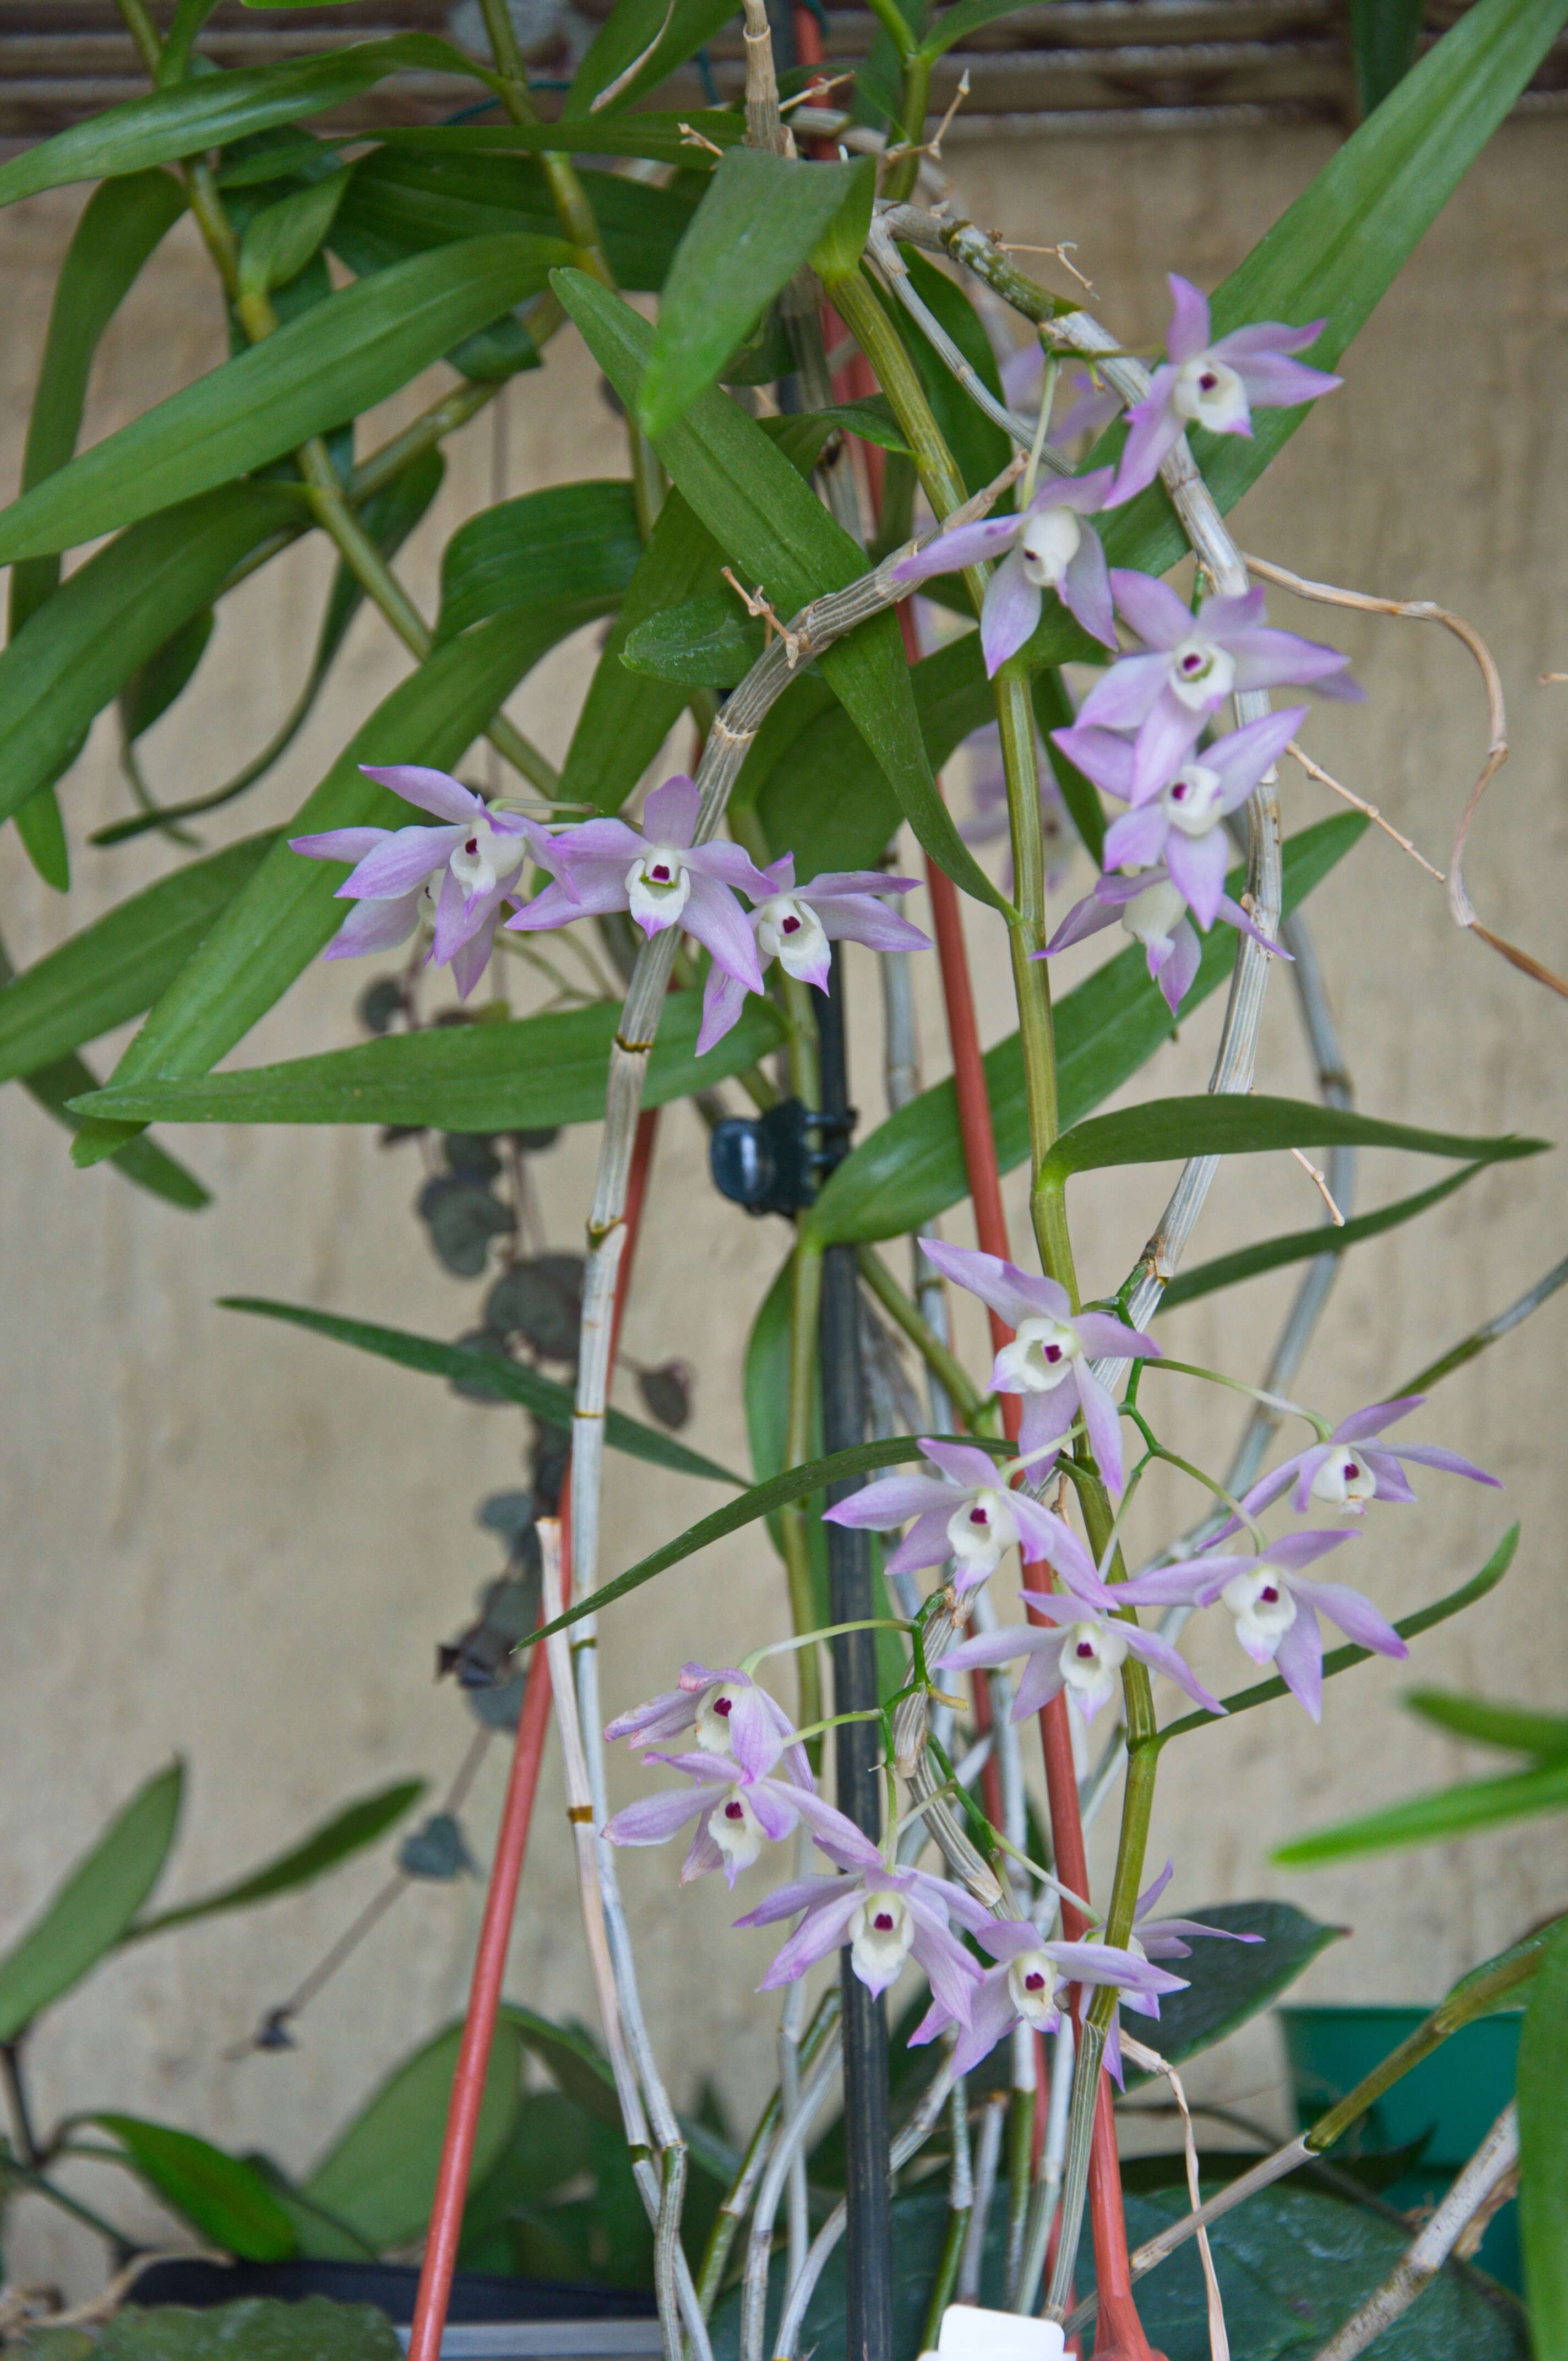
<point>989,817</point>
<point>1187,664</point>
<point>1048,546</point>
<point>660,876</point>
<point>1152,909</point>
<point>1216,385</point>
<point>737,1812</point>
<point>1182,825</point>
<point>459,875</point>
<point>1048,1360</point>
<point>795,925</point>
<point>964,1510</point>
<point>1157,1938</point>
<point>1347,1476</point>
<point>1033,1982</point>
<point>1083,1652</point>
<point>1092,407</point>
<point>885,1916</point>
<point>1275,1607</point>
<point>731,1714</point>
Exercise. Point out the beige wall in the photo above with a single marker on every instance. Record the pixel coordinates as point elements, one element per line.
<point>240,1543</point>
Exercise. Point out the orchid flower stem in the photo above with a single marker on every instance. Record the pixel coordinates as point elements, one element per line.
<point>748,1664</point>
<point>1020,2175</point>
<point>1042,428</point>
<point>805,1306</point>
<point>839,1720</point>
<point>914,98</point>
<point>1156,1450</point>
<point>1238,1386</point>
<point>737,2201</point>
<point>943,1363</point>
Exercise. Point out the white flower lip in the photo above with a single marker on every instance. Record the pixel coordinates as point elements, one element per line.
<point>736,1831</point>
<point>1345,1479</point>
<point>1091,1659</point>
<point>982,1528</point>
<point>1152,915</point>
<point>1203,673</point>
<point>1048,543</point>
<point>1192,799</point>
<point>1040,1356</point>
<point>712,1726</point>
<point>790,931</point>
<point>658,886</point>
<point>485,857</point>
<point>1031,1988</point>
<point>1209,391</point>
<point>1262,1605</point>
<point>879,1935</point>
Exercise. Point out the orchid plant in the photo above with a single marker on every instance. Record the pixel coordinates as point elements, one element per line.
<point>849,394</point>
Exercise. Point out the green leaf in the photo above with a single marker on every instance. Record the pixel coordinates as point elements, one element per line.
<point>113,614</point>
<point>1342,1660</point>
<point>259,2328</point>
<point>912,1166</point>
<point>189,17</point>
<point>118,966</point>
<point>758,222</point>
<point>644,40</point>
<point>574,547</point>
<point>42,831</point>
<point>1543,2152</point>
<point>527,1074</point>
<point>1230,1983</point>
<point>280,239</point>
<point>92,1910</point>
<point>707,642</point>
<point>379,2175</point>
<point>776,532</point>
<point>1163,1130</point>
<point>284,914</point>
<point>661,138</point>
<point>168,672</point>
<point>790,1484</point>
<point>1515,1728</point>
<point>346,1832</point>
<point>836,253</point>
<point>507,1380</point>
<point>227,2200</point>
<point>766,1385</point>
<point>54,1086</point>
<point>571,2061</point>
<point>212,109</point>
<point>1459,1811</point>
<point>957,24</point>
<point>1383,38</point>
<point>341,357</point>
<point>401,203</point>
<point>1305,1246</point>
<point>1336,250</point>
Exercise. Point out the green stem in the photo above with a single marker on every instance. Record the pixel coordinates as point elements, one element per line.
<point>914,104</point>
<point>143,33</point>
<point>806,1307</point>
<point>1020,2172</point>
<point>906,1316</point>
<point>946,2274</point>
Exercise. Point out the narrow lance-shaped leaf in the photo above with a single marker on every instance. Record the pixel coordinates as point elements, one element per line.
<point>912,1166</point>
<point>660,139</point>
<point>528,1074</point>
<point>778,532</point>
<point>227,2200</point>
<point>92,1910</point>
<point>1163,1130</point>
<point>282,238</point>
<point>118,966</point>
<point>378,2175</point>
<point>570,546</point>
<point>1463,1810</point>
<point>284,914</point>
<point>758,222</point>
<point>1543,2152</point>
<point>144,1163</point>
<point>337,1840</point>
<point>1517,1729</point>
<point>341,357</point>
<point>638,44</point>
<point>507,1380</point>
<point>212,110</point>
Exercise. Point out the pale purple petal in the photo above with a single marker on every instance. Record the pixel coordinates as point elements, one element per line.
<point>894,1498</point>
<point>1009,1938</point>
<point>1047,1540</point>
<point>1166,738</point>
<point>1268,658</point>
<point>1431,1455</point>
<point>715,918</point>
<point>1108,1963</point>
<point>723,999</point>
<point>1392,1482</point>
<point>775,1803</point>
<point>1085,918</point>
<point>1057,1608</point>
<point>861,918</point>
<point>1152,1892</point>
<point>1153,430</point>
<point>472,958</point>
<point>1012,1294</point>
<point>1233,913</point>
<point>1354,1613</point>
<point>1137,839</point>
<point>1166,1659</point>
<point>1104,1425</point>
<point>825,1930</point>
<point>1121,699</point>
<point>1101,754</point>
<point>1094,408</point>
<point>1158,615</point>
<point>659,1717</point>
<point>1299,1661</point>
<point>653,1819</point>
<point>1010,613</point>
<point>733,865</point>
<point>1162,1929</point>
<point>598,839</point>
<point>703,1855</point>
<point>1197,866</point>
<point>1272,382</point>
<point>1041,1679</point>
<point>375,927</point>
<point>992,2013</point>
<point>350,844</point>
<point>1306,1464</point>
<point>1176,973</point>
<point>1176,1585</point>
<point>997,1647</point>
<point>455,923</point>
<point>669,814</point>
<point>967,544</point>
<point>1188,332</point>
<point>1086,588</point>
<point>796,1893</point>
<point>401,862</point>
<point>1360,1423</point>
<point>1242,756</point>
<point>965,1463</point>
<point>1108,1338</point>
<point>837,1834</point>
<point>1046,1419</point>
<point>1268,336</point>
<point>559,904</point>
<point>1293,1550</point>
<point>953,1973</point>
<point>753,1732</point>
<point>433,791</point>
<point>926,1543</point>
<point>833,882</point>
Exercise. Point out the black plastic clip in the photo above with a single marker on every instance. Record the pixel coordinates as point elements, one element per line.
<point>767,1163</point>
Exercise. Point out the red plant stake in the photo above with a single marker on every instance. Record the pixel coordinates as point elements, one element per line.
<point>500,1901</point>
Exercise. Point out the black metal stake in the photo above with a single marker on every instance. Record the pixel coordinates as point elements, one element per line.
<point>867,2180</point>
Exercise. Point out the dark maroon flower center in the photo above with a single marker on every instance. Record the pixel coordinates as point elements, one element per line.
<point>661,873</point>
<point>1192,663</point>
<point>1208,382</point>
<point>1033,1981</point>
<point>1051,1353</point>
<point>734,1811</point>
<point>1181,790</point>
<point>724,1706</point>
<point>1351,1470</point>
<point>978,1517</point>
<point>472,845</point>
<point>1270,1594</point>
<point>792,926</point>
<point>882,1922</point>
<point>1085,1648</point>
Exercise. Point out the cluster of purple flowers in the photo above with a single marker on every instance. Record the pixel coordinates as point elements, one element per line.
<point>463,875</point>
